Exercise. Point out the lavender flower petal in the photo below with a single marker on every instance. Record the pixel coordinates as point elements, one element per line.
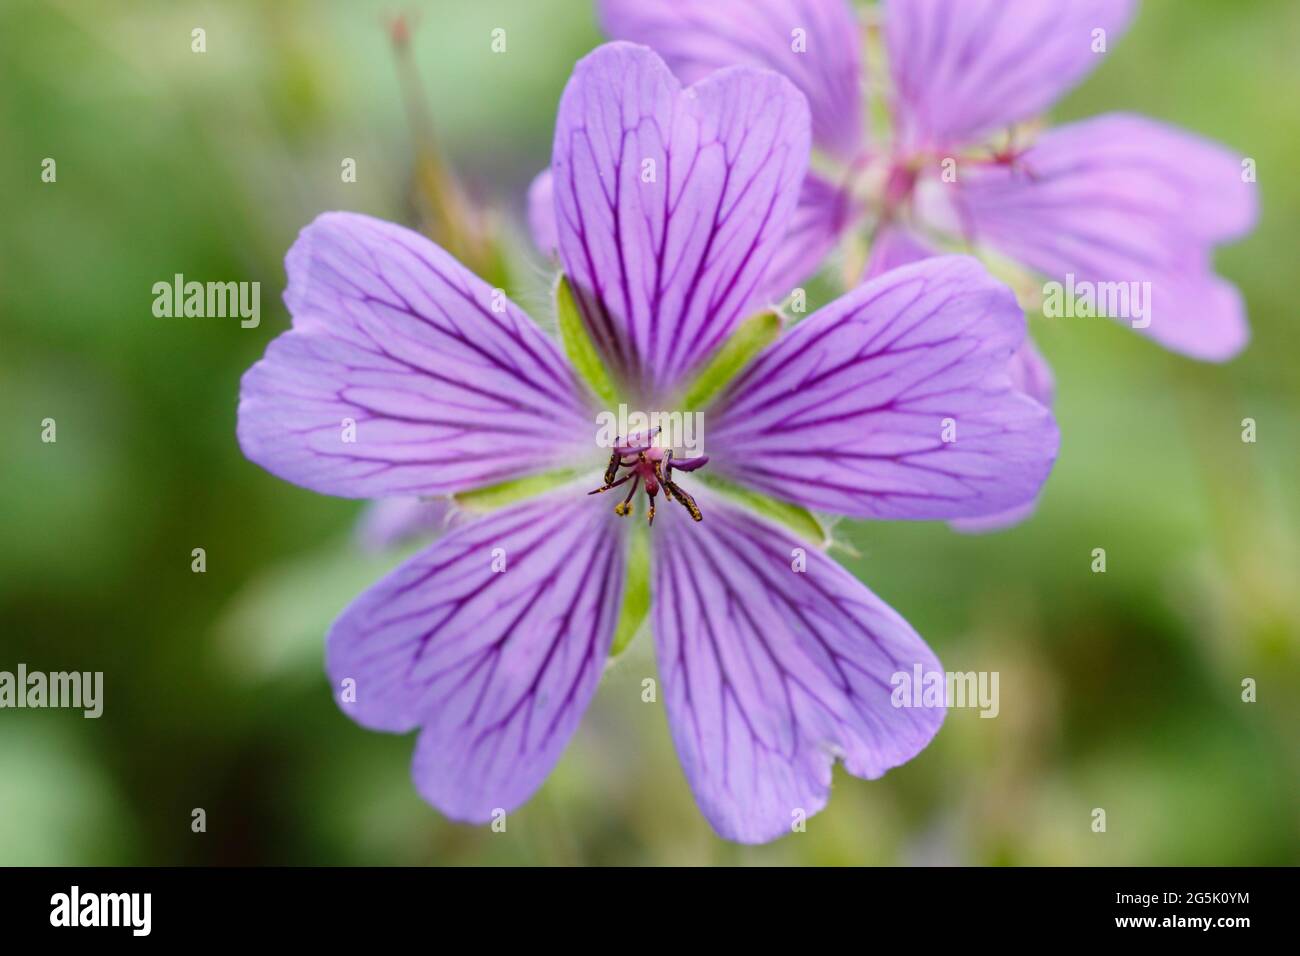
<point>816,43</point>
<point>404,374</point>
<point>964,68</point>
<point>770,674</point>
<point>1030,374</point>
<point>825,212</point>
<point>1122,198</point>
<point>897,246</point>
<point>541,214</point>
<point>893,246</point>
<point>491,642</point>
<point>892,402</point>
<point>670,204</point>
<point>389,522</point>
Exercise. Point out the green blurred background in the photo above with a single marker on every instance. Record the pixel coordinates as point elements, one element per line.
<point>1119,690</point>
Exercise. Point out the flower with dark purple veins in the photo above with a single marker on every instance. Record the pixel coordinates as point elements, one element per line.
<point>405,375</point>
<point>1118,199</point>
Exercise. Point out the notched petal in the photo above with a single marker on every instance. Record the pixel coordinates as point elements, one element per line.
<point>775,662</point>
<point>1121,203</point>
<point>670,204</point>
<point>491,642</point>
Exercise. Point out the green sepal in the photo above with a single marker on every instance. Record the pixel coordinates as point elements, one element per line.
<point>798,519</point>
<point>504,493</point>
<point>751,337</point>
<point>578,345</point>
<point>636,592</point>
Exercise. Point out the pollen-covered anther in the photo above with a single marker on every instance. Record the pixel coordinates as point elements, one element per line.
<point>644,464</point>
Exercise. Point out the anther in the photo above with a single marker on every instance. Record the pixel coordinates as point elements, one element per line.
<point>652,468</point>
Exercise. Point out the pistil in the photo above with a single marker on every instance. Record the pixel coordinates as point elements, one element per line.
<point>651,466</point>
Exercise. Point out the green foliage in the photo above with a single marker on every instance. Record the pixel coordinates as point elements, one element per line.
<point>751,337</point>
<point>579,346</point>
<point>636,592</point>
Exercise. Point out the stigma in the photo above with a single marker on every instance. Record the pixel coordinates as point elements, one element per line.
<point>646,466</point>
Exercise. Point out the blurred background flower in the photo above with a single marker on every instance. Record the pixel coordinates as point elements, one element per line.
<point>1119,690</point>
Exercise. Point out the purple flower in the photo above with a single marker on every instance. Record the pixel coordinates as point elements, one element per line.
<point>1113,199</point>
<point>670,205</point>
<point>1116,199</point>
<point>390,522</point>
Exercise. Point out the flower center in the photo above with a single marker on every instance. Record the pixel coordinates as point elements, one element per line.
<point>900,182</point>
<point>646,465</point>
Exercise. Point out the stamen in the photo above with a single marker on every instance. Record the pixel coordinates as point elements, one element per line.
<point>624,507</point>
<point>612,468</point>
<point>687,464</point>
<point>608,485</point>
<point>687,502</point>
<point>663,480</point>
<point>651,467</point>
